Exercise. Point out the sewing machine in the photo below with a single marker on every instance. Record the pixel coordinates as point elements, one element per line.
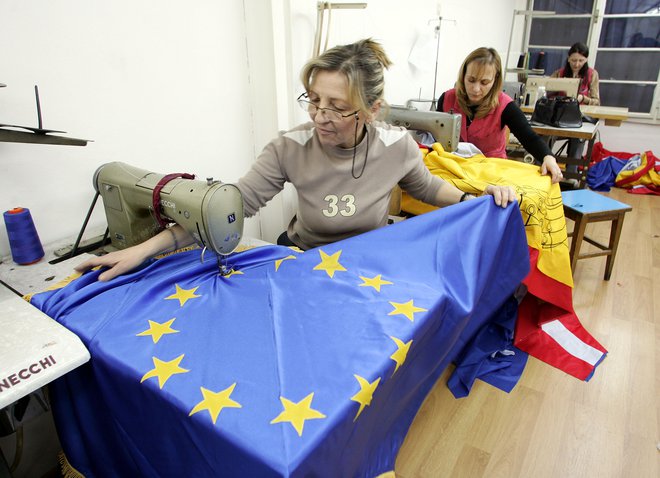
<point>562,86</point>
<point>138,203</point>
<point>445,127</point>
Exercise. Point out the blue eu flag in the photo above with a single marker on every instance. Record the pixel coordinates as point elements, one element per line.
<point>295,364</point>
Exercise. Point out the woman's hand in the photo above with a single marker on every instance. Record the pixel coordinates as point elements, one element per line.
<point>125,260</point>
<point>551,168</point>
<point>502,195</point>
<point>118,262</point>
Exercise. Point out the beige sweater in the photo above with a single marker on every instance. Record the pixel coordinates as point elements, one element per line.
<point>332,205</point>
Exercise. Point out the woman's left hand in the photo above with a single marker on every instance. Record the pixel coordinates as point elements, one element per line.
<point>502,195</point>
<point>551,168</point>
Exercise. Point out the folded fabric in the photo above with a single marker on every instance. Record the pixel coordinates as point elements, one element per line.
<point>599,152</point>
<point>641,170</point>
<point>491,356</point>
<point>467,150</point>
<point>550,280</point>
<point>601,175</point>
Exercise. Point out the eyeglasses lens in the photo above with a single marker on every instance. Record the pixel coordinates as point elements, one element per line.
<point>312,109</point>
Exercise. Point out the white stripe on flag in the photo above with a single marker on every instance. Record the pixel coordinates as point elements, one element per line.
<point>572,344</point>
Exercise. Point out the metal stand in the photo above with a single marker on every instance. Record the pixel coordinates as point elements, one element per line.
<point>321,7</point>
<point>89,247</point>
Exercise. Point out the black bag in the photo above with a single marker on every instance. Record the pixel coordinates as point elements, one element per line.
<point>558,112</point>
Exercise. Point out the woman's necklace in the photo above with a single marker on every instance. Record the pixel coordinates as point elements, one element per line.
<point>366,154</point>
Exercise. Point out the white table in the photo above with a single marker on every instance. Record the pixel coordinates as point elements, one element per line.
<point>34,349</point>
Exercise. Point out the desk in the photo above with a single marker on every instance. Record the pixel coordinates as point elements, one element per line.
<point>612,115</point>
<point>586,132</point>
<point>299,364</point>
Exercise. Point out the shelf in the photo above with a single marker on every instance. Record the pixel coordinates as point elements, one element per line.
<point>535,71</point>
<point>11,136</point>
<point>39,135</point>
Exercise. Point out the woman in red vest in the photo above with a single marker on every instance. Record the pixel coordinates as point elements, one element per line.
<point>486,111</point>
<point>588,93</point>
<point>577,67</point>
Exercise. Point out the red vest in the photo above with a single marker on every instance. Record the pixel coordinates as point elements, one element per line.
<point>485,133</point>
<point>583,89</point>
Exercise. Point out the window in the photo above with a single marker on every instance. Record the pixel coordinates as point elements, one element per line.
<point>624,43</point>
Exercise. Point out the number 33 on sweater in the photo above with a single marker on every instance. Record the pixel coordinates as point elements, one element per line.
<point>344,206</point>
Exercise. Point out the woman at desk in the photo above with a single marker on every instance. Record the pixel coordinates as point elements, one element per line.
<point>487,111</point>
<point>343,163</point>
<point>588,92</point>
<point>577,67</point>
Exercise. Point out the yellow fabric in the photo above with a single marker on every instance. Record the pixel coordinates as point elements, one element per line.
<point>540,201</point>
<point>67,471</point>
<point>650,178</point>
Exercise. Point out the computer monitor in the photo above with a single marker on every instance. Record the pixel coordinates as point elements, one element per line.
<point>553,87</point>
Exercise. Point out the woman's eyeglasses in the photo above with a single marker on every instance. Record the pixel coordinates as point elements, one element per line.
<point>329,113</point>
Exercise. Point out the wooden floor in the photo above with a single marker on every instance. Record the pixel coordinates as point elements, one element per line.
<point>551,424</point>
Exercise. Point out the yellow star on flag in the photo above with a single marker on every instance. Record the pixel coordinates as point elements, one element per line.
<point>278,262</point>
<point>366,393</point>
<point>401,352</point>
<point>329,264</point>
<point>157,330</point>
<point>234,272</point>
<point>214,402</point>
<point>297,413</point>
<point>164,370</point>
<point>183,295</point>
<point>407,309</point>
<point>375,282</point>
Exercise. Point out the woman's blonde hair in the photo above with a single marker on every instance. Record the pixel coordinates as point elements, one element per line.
<point>483,57</point>
<point>363,63</point>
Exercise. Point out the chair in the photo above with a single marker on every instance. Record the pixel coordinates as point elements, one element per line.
<point>584,206</point>
<point>395,201</point>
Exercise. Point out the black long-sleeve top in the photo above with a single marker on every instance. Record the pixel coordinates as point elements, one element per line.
<point>515,120</point>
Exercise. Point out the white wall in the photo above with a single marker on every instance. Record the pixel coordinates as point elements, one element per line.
<point>176,86</point>
<point>161,85</point>
<point>466,25</point>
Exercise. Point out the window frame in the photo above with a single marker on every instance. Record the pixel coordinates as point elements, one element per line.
<point>596,21</point>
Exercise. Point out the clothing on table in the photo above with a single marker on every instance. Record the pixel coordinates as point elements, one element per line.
<point>588,86</point>
<point>332,204</point>
<point>509,115</point>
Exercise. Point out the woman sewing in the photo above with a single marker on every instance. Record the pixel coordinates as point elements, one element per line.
<point>486,111</point>
<point>588,92</point>
<point>343,163</point>
<point>577,67</point>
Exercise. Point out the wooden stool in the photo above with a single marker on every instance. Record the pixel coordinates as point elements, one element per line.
<point>584,206</point>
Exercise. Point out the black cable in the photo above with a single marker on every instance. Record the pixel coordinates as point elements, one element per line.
<point>364,165</point>
<point>76,246</point>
